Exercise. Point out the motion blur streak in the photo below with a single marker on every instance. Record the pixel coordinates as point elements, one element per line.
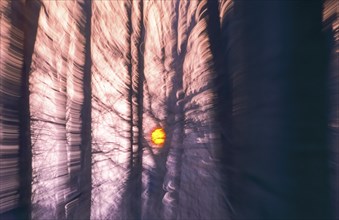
<point>245,92</point>
<point>110,114</point>
<point>11,63</point>
<point>56,100</point>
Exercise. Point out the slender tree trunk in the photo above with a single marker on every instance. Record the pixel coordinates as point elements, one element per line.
<point>139,96</point>
<point>84,210</point>
<point>130,92</point>
<point>25,17</point>
<point>132,204</point>
<point>127,200</point>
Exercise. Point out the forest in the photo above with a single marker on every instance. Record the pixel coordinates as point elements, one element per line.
<point>169,109</point>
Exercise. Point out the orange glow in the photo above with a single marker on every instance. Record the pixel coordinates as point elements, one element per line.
<point>158,137</point>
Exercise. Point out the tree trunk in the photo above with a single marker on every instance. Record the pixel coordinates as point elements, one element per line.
<point>278,62</point>
<point>139,96</point>
<point>223,151</point>
<point>24,20</point>
<point>85,183</point>
<point>132,198</point>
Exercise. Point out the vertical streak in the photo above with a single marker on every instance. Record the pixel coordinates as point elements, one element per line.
<point>110,107</point>
<point>30,24</point>
<point>137,84</point>
<point>18,32</point>
<point>176,111</point>
<point>17,17</point>
<point>140,107</point>
<point>130,91</point>
<point>56,100</point>
<point>135,99</point>
<point>10,78</point>
<point>222,152</point>
<point>86,140</point>
<point>126,202</point>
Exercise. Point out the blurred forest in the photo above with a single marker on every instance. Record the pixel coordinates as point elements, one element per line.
<point>246,91</point>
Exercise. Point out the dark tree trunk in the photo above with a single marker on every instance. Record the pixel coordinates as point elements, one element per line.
<point>278,62</point>
<point>125,205</point>
<point>24,18</point>
<point>84,209</point>
<point>140,90</point>
<point>223,151</point>
<point>132,204</point>
<point>130,92</point>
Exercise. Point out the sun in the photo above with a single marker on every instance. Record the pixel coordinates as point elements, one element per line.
<point>158,137</point>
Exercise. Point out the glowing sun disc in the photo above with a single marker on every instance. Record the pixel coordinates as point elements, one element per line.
<point>158,136</point>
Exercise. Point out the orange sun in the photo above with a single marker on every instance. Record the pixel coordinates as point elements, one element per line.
<point>158,137</point>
